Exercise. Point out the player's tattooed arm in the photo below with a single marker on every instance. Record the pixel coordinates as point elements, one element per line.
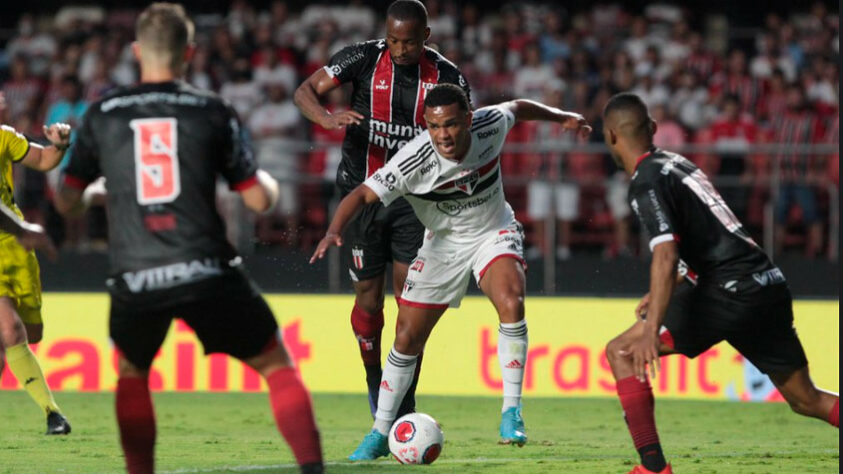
<point>46,158</point>
<point>307,97</point>
<point>525,109</point>
<point>644,351</point>
<point>348,208</point>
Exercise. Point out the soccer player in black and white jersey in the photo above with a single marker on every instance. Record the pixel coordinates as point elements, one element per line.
<point>451,176</point>
<point>390,78</point>
<point>737,294</point>
<point>161,146</point>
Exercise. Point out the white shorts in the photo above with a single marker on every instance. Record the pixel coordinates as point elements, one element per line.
<point>438,277</point>
<point>566,198</point>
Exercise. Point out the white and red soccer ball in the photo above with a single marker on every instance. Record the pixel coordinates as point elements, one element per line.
<point>416,438</point>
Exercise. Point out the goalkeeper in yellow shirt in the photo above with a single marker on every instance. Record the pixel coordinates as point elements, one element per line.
<point>20,284</point>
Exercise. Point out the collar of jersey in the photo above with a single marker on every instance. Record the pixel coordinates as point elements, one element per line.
<point>645,155</point>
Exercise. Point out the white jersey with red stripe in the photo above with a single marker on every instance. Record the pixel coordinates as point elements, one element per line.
<point>459,201</point>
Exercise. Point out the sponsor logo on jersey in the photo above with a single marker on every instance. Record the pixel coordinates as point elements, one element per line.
<point>659,214</point>
<point>769,277</point>
<point>408,285</point>
<point>382,85</point>
<point>488,133</point>
<point>453,207</point>
<point>174,274</point>
<point>391,136</point>
<point>485,153</point>
<point>429,167</point>
<point>357,257</point>
<point>337,68</point>
<point>387,181</point>
<point>428,85</point>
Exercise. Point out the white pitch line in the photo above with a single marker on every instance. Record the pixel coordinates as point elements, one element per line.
<point>482,460</point>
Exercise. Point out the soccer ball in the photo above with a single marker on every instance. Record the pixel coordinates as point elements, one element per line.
<point>416,438</point>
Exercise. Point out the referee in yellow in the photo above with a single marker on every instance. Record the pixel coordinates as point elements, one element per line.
<point>20,283</point>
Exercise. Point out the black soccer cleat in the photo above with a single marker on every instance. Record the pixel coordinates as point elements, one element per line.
<point>312,468</point>
<point>57,424</point>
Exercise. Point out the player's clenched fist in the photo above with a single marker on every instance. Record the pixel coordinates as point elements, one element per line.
<point>58,134</point>
<point>327,242</point>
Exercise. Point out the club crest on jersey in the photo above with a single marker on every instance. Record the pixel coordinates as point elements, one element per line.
<point>467,184</point>
<point>357,257</point>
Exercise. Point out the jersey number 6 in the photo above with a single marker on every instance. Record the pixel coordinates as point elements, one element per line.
<point>156,160</point>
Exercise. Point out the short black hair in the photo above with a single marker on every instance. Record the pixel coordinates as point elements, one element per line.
<point>632,104</point>
<point>408,10</point>
<point>447,94</point>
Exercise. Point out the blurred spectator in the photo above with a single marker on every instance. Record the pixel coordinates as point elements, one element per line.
<point>732,134</point>
<point>798,171</point>
<point>551,192</point>
<point>21,90</point>
<point>669,134</point>
<point>38,47</point>
<point>735,80</point>
<point>532,77</point>
<point>689,102</point>
<point>268,69</point>
<point>241,91</point>
<point>275,127</point>
<point>700,61</point>
<point>774,101</point>
<point>769,59</point>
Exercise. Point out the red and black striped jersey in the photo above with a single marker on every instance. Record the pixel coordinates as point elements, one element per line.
<point>390,97</point>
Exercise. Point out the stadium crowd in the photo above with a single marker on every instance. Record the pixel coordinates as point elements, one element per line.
<point>774,83</point>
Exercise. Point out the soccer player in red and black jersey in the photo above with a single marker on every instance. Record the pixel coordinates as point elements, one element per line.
<point>390,78</point>
<point>738,296</point>
<point>160,146</point>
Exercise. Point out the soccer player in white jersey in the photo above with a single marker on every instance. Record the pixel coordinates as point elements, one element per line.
<point>450,174</point>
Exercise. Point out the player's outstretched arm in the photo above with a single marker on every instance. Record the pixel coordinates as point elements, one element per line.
<point>525,109</point>
<point>307,100</point>
<point>348,208</point>
<point>46,158</point>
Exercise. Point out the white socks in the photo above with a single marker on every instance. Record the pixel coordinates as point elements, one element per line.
<point>396,379</point>
<point>512,355</point>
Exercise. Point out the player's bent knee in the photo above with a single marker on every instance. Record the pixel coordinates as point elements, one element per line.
<point>407,343</point>
<point>13,334</point>
<point>511,308</point>
<point>613,349</point>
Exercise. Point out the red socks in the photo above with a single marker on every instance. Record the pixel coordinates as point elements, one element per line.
<point>136,419</point>
<point>367,328</point>
<point>639,409</point>
<point>834,416</point>
<point>293,412</point>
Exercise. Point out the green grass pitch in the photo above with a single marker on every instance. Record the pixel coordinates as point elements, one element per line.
<point>216,432</point>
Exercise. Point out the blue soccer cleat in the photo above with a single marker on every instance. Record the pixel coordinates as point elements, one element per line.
<point>512,427</point>
<point>373,446</point>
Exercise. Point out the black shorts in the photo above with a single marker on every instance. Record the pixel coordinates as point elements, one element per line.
<point>758,323</point>
<point>227,313</point>
<point>380,235</point>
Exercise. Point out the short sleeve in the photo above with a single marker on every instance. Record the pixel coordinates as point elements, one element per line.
<point>452,75</point>
<point>13,143</point>
<point>497,114</point>
<point>83,166</point>
<point>650,203</point>
<point>347,63</point>
<point>238,165</point>
<point>388,183</point>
